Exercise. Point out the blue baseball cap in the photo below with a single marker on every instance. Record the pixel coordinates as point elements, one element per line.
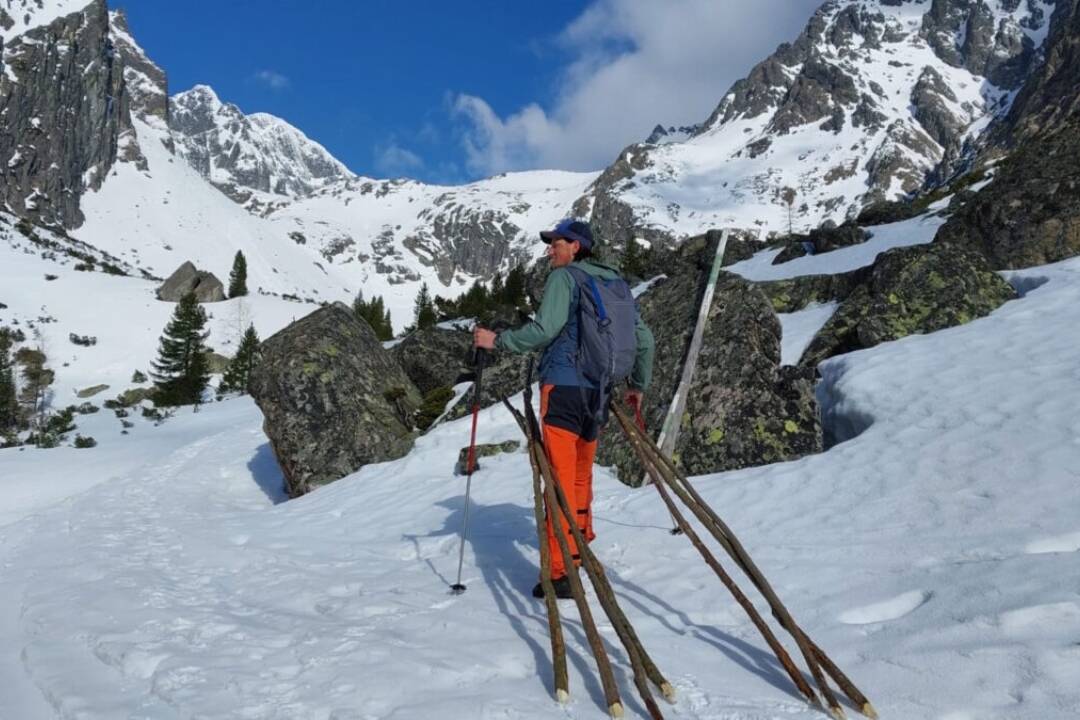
<point>570,229</point>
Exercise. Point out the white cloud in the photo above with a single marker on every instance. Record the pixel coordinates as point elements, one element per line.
<point>395,161</point>
<point>633,64</point>
<point>273,80</point>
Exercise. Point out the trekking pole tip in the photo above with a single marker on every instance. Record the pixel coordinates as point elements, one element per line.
<point>615,710</point>
<point>562,696</point>
<point>457,589</point>
<point>668,692</point>
<point>869,711</point>
<point>676,531</point>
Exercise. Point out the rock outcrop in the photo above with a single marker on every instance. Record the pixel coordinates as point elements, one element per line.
<point>743,409</point>
<point>187,278</point>
<point>1030,213</point>
<point>63,108</point>
<point>910,290</point>
<point>333,399</point>
<point>821,240</point>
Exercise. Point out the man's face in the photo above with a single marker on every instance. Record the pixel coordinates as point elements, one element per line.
<point>561,251</point>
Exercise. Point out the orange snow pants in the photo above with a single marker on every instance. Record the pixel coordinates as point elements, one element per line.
<point>571,457</point>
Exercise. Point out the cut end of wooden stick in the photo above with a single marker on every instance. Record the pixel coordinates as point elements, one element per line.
<point>869,711</point>
<point>562,696</point>
<point>837,712</point>
<point>615,710</point>
<point>668,692</point>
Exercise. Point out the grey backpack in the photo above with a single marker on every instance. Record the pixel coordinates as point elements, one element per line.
<point>607,342</point>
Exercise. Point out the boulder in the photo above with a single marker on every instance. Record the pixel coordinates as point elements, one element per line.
<point>505,376</point>
<point>910,290</point>
<point>433,357</point>
<point>91,391</point>
<point>821,240</point>
<point>187,278</point>
<point>743,409</point>
<point>886,211</point>
<point>483,451</point>
<point>332,397</point>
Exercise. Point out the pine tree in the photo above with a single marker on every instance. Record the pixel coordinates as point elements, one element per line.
<point>424,309</point>
<point>514,289</point>
<point>632,259</point>
<point>243,363</point>
<point>34,395</point>
<point>9,405</point>
<point>387,327</point>
<point>181,373</point>
<point>238,276</point>
<point>375,314</point>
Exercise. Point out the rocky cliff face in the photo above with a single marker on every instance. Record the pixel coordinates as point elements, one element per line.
<point>1029,214</point>
<point>872,100</point>
<point>247,154</point>
<point>63,108</point>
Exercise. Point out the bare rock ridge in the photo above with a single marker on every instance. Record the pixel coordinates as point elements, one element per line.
<point>63,107</point>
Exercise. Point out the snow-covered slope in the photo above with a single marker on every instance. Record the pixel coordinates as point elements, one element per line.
<point>872,99</point>
<point>932,554</point>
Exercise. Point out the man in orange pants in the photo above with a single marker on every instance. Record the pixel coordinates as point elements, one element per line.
<point>570,409</point>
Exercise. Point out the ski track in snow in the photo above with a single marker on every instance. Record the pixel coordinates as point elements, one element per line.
<point>946,531</point>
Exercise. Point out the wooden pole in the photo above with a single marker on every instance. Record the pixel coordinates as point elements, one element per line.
<point>730,543</point>
<point>729,583</point>
<point>558,644</point>
<point>596,644</point>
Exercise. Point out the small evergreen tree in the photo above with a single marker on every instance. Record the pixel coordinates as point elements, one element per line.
<point>238,276</point>
<point>181,373</point>
<point>424,309</point>
<point>34,395</point>
<point>9,405</point>
<point>514,289</point>
<point>633,259</point>
<point>387,327</point>
<point>375,314</point>
<point>243,363</point>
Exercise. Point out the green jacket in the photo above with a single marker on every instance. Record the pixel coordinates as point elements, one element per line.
<point>554,311</point>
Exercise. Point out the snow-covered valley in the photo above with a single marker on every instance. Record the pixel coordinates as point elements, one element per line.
<point>933,554</point>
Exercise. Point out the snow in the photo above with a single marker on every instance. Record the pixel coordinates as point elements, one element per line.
<point>29,14</point>
<point>916,231</point>
<point>799,328</point>
<point>932,553</point>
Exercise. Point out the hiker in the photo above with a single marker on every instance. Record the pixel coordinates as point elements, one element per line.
<point>572,407</point>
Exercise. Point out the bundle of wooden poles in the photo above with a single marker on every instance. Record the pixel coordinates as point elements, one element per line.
<point>668,481</point>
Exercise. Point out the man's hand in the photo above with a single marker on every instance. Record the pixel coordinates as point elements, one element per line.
<point>483,338</point>
<point>633,397</point>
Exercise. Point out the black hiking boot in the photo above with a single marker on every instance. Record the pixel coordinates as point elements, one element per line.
<point>562,589</point>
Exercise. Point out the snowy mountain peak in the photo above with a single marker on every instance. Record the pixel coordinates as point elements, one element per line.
<point>256,156</point>
<point>873,99</point>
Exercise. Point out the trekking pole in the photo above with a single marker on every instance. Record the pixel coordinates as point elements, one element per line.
<point>479,358</point>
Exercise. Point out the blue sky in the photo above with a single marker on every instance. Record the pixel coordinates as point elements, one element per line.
<point>452,91</point>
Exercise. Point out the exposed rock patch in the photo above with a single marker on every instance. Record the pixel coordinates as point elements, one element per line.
<point>910,290</point>
<point>743,408</point>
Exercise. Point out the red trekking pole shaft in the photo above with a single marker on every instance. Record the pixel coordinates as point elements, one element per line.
<point>470,464</point>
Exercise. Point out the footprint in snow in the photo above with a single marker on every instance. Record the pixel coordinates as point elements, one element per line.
<point>885,610</point>
<point>1069,542</point>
